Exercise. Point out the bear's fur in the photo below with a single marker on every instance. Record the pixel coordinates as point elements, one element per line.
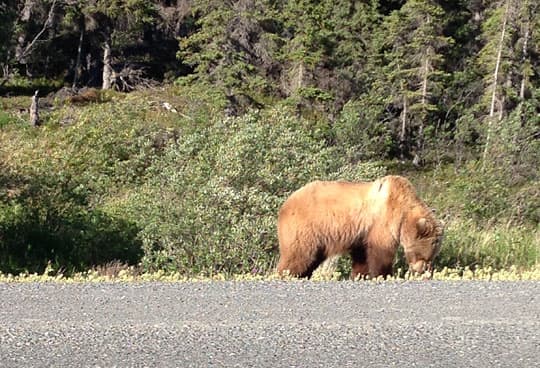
<point>367,220</point>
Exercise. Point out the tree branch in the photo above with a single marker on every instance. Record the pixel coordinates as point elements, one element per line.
<point>47,24</point>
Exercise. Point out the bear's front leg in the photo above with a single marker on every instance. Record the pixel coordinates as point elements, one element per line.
<point>359,270</point>
<point>371,263</point>
<point>360,267</point>
<point>380,261</point>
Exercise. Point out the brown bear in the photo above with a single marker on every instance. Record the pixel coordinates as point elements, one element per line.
<point>368,220</point>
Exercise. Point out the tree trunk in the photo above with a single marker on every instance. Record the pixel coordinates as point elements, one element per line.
<point>297,75</point>
<point>424,102</point>
<point>498,62</point>
<point>495,83</point>
<point>403,127</point>
<point>78,60</point>
<point>34,110</point>
<point>107,68</point>
<point>524,75</point>
<point>21,53</point>
<point>21,38</point>
<point>26,13</point>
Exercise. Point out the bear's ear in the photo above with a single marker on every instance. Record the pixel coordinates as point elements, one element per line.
<point>423,226</point>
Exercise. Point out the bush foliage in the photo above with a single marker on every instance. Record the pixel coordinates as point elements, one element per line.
<point>197,192</point>
<point>211,200</point>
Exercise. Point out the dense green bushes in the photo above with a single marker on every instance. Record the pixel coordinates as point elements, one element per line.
<point>46,217</point>
<point>447,94</point>
<point>491,220</point>
<point>55,181</point>
<point>211,200</point>
<point>198,196</point>
<point>198,193</point>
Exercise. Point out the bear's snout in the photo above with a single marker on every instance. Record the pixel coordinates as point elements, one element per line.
<point>420,267</point>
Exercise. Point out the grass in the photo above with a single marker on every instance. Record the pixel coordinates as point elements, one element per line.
<point>499,246</point>
<point>115,272</point>
<point>101,155</point>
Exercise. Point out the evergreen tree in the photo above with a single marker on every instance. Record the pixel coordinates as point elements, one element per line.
<point>526,44</point>
<point>34,31</point>
<point>411,59</point>
<point>325,50</point>
<point>230,48</point>
<point>7,19</point>
<point>308,40</point>
<point>117,23</point>
<point>494,59</point>
<point>507,67</point>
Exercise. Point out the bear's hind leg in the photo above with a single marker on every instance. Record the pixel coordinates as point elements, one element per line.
<point>300,265</point>
<point>314,264</point>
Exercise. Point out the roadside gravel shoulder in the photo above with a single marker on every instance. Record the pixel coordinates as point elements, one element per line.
<point>270,324</point>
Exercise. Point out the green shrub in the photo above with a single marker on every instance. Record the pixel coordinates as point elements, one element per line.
<point>211,201</point>
<point>491,221</point>
<point>48,220</point>
<point>5,119</point>
<point>197,193</point>
<point>496,246</point>
<point>19,85</point>
<point>359,126</point>
<point>57,179</point>
<point>485,195</point>
<point>202,103</point>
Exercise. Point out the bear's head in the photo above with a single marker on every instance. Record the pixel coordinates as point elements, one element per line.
<point>421,237</point>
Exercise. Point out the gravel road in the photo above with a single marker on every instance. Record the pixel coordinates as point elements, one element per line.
<point>270,324</point>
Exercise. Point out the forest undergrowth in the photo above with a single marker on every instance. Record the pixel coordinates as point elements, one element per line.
<point>127,184</point>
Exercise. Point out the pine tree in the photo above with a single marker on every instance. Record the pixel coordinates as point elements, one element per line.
<point>411,59</point>
<point>325,50</point>
<point>527,45</point>
<point>352,25</point>
<point>116,23</point>
<point>7,20</point>
<point>507,66</point>
<point>307,23</point>
<point>230,48</point>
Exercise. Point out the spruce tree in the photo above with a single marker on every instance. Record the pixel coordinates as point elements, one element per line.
<point>229,49</point>
<point>411,59</point>
<point>506,63</point>
<point>116,24</point>
<point>7,20</point>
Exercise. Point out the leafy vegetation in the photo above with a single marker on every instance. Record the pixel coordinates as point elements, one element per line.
<point>114,272</point>
<point>236,104</point>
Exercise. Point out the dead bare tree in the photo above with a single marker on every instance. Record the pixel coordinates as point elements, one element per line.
<point>108,72</point>
<point>495,83</point>
<point>21,55</point>
<point>78,60</point>
<point>131,78</point>
<point>34,110</point>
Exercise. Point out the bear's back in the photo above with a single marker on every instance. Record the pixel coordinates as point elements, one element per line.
<point>317,195</point>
